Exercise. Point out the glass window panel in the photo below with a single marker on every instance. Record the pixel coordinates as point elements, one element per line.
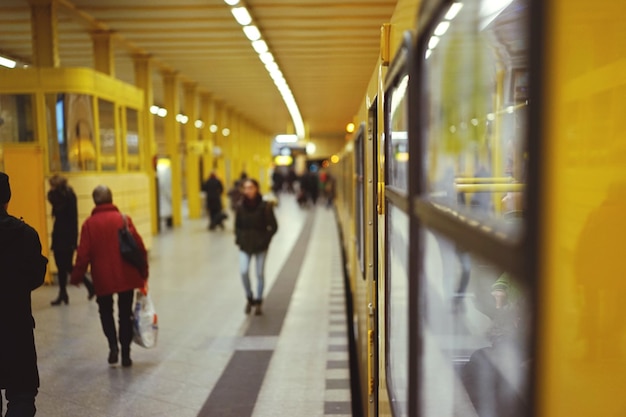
<point>397,307</point>
<point>475,320</point>
<point>132,139</point>
<point>475,90</point>
<point>16,118</point>
<point>398,144</point>
<point>108,145</point>
<point>70,132</point>
<point>360,202</point>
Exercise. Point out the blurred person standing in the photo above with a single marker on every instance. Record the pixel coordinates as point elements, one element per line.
<point>255,225</point>
<point>23,269</point>
<point>99,246</point>
<point>213,188</point>
<point>64,234</point>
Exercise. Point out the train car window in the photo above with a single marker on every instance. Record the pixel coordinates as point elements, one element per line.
<point>359,207</point>
<point>397,236</point>
<point>475,93</point>
<point>398,140</point>
<point>475,352</point>
<point>472,300</point>
<point>397,326</point>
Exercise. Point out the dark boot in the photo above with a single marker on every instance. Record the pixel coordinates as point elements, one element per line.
<point>249,305</point>
<point>60,299</point>
<point>126,361</point>
<point>258,311</point>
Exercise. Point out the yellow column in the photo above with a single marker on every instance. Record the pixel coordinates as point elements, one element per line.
<point>218,141</point>
<point>172,141</point>
<point>207,115</point>
<point>192,162</point>
<point>43,21</point>
<point>227,144</point>
<point>143,80</point>
<point>103,53</point>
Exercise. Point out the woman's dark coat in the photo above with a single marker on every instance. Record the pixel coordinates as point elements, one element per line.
<point>255,225</point>
<point>65,213</point>
<point>22,269</point>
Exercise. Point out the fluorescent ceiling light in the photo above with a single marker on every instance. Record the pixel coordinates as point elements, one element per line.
<point>266,57</point>
<point>433,42</point>
<point>241,15</point>
<point>286,138</point>
<point>260,46</point>
<point>231,2</point>
<point>442,28</point>
<point>453,10</point>
<point>252,32</point>
<point>428,52</point>
<point>310,148</point>
<point>271,66</point>
<point>6,62</point>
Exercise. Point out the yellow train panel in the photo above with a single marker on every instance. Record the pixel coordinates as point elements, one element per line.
<point>582,365</point>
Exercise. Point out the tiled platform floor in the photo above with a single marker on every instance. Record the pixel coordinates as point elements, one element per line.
<point>196,288</point>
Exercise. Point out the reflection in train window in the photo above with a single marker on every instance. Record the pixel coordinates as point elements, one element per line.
<point>475,320</point>
<point>475,89</point>
<point>398,144</point>
<point>397,308</point>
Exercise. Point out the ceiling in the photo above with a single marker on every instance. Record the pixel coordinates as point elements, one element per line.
<point>326,49</point>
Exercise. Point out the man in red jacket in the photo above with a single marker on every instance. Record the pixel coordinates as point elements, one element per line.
<point>99,246</point>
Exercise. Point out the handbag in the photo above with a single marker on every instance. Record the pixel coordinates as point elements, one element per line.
<point>145,324</point>
<point>129,249</point>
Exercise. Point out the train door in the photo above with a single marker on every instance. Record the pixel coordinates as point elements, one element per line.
<point>473,230</point>
<point>371,225</point>
<point>395,205</point>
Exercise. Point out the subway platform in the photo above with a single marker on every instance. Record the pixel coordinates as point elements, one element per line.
<point>211,359</point>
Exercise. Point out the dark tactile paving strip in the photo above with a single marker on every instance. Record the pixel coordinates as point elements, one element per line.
<point>277,301</point>
<point>236,391</point>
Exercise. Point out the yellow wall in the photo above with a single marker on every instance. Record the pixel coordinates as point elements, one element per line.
<point>583,352</point>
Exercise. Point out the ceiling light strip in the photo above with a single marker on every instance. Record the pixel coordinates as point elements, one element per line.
<point>252,32</point>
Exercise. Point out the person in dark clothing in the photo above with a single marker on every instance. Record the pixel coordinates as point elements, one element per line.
<point>23,269</point>
<point>213,188</point>
<point>64,234</point>
<point>255,225</point>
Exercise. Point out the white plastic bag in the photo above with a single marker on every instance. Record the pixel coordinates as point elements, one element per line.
<point>145,325</point>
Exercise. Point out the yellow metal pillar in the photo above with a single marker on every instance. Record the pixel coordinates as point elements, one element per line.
<point>227,144</point>
<point>172,141</point>
<point>207,115</point>
<point>43,20</point>
<point>218,140</point>
<point>143,80</point>
<point>103,58</point>
<point>234,139</point>
<point>192,162</point>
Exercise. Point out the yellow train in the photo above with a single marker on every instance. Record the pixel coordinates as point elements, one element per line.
<point>482,202</point>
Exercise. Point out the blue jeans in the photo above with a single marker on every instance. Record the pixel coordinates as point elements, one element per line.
<point>20,403</point>
<point>244,269</point>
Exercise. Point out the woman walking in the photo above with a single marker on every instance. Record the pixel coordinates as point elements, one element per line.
<point>64,234</point>
<point>255,225</point>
